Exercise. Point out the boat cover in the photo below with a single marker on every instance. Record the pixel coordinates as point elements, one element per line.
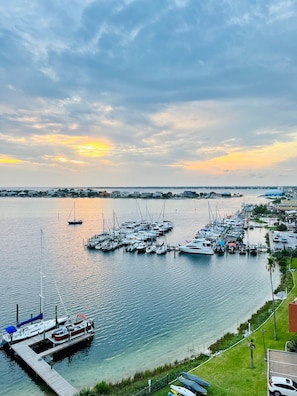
<point>195,378</point>
<point>194,386</point>
<point>10,329</point>
<point>37,317</point>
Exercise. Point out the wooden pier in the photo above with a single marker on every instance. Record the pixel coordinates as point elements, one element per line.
<point>42,369</point>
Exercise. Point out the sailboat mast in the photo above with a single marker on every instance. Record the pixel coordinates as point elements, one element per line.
<point>41,296</point>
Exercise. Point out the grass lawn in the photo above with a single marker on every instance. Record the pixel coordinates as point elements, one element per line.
<point>230,372</point>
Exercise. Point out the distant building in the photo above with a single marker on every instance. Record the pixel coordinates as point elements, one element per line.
<point>274,193</point>
<point>189,194</point>
<point>226,194</point>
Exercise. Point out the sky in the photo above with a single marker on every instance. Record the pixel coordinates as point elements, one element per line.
<point>148,93</point>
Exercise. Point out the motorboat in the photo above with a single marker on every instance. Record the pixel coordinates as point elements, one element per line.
<point>253,250</point>
<point>162,249</point>
<point>197,246</point>
<point>151,249</point>
<point>220,247</point>
<point>232,247</point>
<point>81,326</point>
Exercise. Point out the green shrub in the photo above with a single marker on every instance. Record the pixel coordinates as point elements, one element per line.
<point>102,388</point>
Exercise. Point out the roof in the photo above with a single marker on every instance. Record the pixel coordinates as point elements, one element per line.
<point>273,193</point>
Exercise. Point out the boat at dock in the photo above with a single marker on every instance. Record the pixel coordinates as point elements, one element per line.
<point>162,249</point>
<point>79,327</point>
<point>35,325</point>
<point>197,246</point>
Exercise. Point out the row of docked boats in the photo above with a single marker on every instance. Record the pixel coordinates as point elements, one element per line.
<point>133,235</point>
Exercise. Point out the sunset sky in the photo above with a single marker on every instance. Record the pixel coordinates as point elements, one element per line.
<point>148,93</point>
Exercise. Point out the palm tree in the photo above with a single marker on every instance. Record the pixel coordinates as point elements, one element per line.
<point>270,267</point>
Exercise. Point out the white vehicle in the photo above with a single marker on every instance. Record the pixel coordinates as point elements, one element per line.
<point>281,386</point>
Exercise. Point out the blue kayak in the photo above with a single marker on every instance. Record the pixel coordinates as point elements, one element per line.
<point>192,385</point>
<point>195,378</point>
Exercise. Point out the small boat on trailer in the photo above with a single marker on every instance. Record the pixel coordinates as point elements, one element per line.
<point>79,327</point>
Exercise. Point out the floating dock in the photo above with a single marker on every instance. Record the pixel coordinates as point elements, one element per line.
<point>42,369</point>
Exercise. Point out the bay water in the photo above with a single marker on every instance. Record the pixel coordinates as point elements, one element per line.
<point>148,309</point>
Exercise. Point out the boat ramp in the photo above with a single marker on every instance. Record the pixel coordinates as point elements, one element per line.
<point>35,361</point>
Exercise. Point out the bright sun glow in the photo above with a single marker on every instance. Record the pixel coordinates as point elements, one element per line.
<point>92,149</point>
<point>9,160</point>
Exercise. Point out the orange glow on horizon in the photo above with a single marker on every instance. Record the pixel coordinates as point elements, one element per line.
<point>259,158</point>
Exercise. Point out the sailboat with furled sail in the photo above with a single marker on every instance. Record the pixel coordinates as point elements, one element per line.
<point>36,324</point>
<point>74,220</point>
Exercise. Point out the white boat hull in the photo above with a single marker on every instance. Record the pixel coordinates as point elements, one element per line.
<point>30,331</point>
<point>185,249</point>
<point>197,246</point>
<point>182,391</point>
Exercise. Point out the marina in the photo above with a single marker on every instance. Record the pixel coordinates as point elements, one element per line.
<point>139,302</point>
<point>221,235</point>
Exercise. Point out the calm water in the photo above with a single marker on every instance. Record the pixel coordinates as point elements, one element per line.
<point>148,310</point>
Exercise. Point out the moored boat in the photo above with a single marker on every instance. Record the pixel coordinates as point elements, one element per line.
<point>35,325</point>
<point>197,246</point>
<point>162,249</point>
<point>74,220</point>
<point>79,327</point>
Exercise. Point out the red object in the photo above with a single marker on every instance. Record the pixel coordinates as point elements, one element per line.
<point>293,317</point>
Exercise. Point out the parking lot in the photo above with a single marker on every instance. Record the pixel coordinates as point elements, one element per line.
<point>283,240</point>
<point>281,364</point>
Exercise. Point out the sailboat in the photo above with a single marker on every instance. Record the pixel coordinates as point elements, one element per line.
<point>35,325</point>
<point>74,220</point>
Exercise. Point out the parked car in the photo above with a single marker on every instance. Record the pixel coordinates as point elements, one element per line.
<point>281,386</point>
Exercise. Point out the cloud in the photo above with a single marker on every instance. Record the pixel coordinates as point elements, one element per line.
<point>181,91</point>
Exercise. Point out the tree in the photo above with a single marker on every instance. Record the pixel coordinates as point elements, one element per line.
<point>270,267</point>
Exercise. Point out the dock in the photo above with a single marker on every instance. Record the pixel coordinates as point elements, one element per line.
<point>42,369</point>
